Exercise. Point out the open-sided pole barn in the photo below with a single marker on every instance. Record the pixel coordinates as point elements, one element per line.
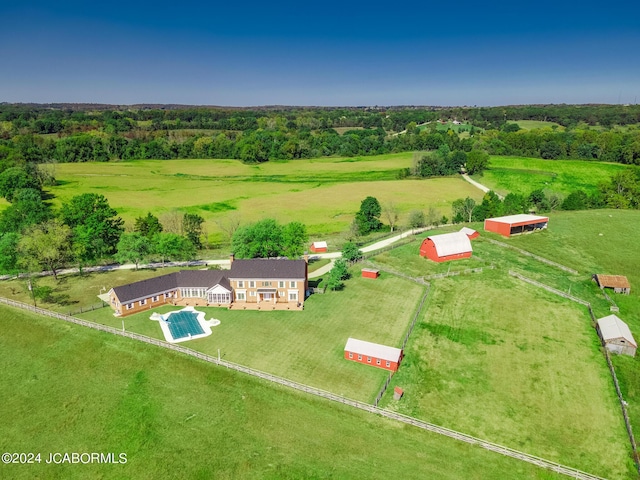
<point>515,224</point>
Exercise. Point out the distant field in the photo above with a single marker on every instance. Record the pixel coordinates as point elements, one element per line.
<point>65,388</point>
<point>523,175</point>
<point>533,124</point>
<point>323,193</point>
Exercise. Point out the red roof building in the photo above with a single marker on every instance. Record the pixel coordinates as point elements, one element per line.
<point>515,224</point>
<point>447,246</point>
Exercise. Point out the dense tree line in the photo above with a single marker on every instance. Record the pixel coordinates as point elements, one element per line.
<point>40,134</point>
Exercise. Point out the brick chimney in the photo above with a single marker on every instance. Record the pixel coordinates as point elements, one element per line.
<point>231,258</point>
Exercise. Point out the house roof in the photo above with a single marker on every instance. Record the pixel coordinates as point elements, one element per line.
<point>451,243</point>
<point>319,244</point>
<point>611,327</point>
<point>613,281</point>
<point>171,281</point>
<point>268,268</point>
<point>373,350</point>
<point>519,218</point>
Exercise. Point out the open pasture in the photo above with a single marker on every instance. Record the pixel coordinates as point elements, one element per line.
<point>65,388</point>
<point>306,346</point>
<point>534,124</point>
<point>523,175</point>
<point>323,193</point>
<point>504,361</point>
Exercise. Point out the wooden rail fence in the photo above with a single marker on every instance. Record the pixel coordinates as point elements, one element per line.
<point>532,255</point>
<point>509,452</point>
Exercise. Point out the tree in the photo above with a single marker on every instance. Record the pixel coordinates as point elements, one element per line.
<point>391,213</point>
<point>576,200</point>
<point>416,219</point>
<point>368,217</point>
<point>27,209</point>
<point>337,274</point>
<point>462,209</point>
<point>294,239</point>
<point>267,238</point>
<point>14,179</point>
<point>9,253</point>
<point>94,223</point>
<point>147,226</point>
<point>46,245</point>
<point>171,246</point>
<point>229,225</point>
<point>132,247</point>
<point>514,203</point>
<point>351,252</point>
<point>477,162</point>
<point>192,227</point>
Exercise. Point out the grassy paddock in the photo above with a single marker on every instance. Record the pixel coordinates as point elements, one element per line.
<point>523,175</point>
<point>534,124</point>
<point>65,388</point>
<point>306,346</point>
<point>322,193</point>
<point>526,373</point>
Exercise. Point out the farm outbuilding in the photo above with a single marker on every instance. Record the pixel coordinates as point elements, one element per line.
<point>616,336</point>
<point>370,273</point>
<point>470,232</point>
<point>619,283</point>
<point>447,246</point>
<point>318,247</point>
<point>515,224</point>
<point>374,354</point>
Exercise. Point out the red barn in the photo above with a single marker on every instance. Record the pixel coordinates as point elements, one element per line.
<point>370,273</point>
<point>470,232</point>
<point>373,354</point>
<point>515,224</point>
<point>318,247</point>
<point>445,247</point>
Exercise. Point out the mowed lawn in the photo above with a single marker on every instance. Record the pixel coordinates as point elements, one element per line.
<point>306,346</point>
<point>65,388</point>
<point>523,175</point>
<point>504,361</point>
<point>324,194</point>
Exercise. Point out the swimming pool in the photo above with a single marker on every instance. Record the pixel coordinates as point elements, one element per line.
<point>185,324</point>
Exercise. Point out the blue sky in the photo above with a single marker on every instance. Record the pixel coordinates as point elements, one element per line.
<point>324,53</point>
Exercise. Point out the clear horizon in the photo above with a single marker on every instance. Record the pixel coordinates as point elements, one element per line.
<point>329,55</point>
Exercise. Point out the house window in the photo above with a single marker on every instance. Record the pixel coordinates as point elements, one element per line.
<point>143,302</point>
<point>293,296</point>
<point>155,298</point>
<point>241,295</point>
<point>252,294</point>
<point>252,284</point>
<point>281,284</point>
<point>388,364</point>
<point>292,284</point>
<point>167,295</point>
<point>219,298</point>
<point>350,355</point>
<point>266,284</point>
<point>240,284</point>
<point>129,306</point>
<point>281,294</point>
<point>368,359</point>
<point>359,357</point>
<point>377,361</point>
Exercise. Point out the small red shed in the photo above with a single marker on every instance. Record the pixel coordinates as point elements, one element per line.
<point>318,247</point>
<point>380,356</point>
<point>445,247</point>
<point>470,232</point>
<point>515,224</point>
<point>370,273</point>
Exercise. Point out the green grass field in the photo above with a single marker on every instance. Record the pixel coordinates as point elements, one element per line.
<point>306,346</point>
<point>322,193</point>
<point>534,124</point>
<point>523,175</point>
<point>65,388</point>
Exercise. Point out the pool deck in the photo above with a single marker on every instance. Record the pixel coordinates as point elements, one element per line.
<point>204,324</point>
